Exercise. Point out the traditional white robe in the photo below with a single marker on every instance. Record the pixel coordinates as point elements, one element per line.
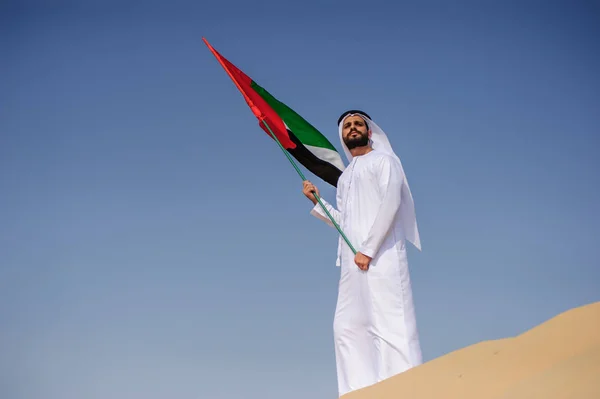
<point>375,331</point>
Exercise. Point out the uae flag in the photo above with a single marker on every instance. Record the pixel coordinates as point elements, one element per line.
<point>304,142</point>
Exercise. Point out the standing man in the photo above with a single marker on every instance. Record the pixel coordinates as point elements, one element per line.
<point>375,331</point>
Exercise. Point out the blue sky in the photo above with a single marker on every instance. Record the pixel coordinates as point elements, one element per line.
<point>154,242</point>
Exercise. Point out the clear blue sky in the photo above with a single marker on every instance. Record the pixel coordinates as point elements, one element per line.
<point>154,242</point>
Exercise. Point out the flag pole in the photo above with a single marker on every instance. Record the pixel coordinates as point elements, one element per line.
<point>314,193</point>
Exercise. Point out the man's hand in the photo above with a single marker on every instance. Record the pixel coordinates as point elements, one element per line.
<point>307,189</point>
<point>362,261</point>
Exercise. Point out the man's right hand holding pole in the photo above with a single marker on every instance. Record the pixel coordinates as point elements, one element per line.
<point>308,189</point>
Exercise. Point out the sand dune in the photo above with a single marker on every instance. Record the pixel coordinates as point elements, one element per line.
<point>557,359</point>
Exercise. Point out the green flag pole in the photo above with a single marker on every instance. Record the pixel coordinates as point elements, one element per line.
<point>314,193</point>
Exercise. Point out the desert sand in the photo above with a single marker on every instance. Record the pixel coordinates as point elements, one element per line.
<point>558,359</point>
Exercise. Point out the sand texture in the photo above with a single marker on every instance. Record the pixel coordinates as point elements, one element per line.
<point>557,359</point>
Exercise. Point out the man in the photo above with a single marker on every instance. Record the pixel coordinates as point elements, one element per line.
<point>375,332</point>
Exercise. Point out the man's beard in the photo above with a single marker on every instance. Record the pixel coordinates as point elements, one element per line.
<point>353,142</point>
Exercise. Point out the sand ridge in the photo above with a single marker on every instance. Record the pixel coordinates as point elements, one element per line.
<point>559,358</point>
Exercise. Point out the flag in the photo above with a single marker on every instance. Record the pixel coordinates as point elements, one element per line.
<point>303,141</point>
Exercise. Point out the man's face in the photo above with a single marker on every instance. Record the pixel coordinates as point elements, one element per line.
<point>355,132</point>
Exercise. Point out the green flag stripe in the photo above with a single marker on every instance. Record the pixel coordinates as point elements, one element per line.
<point>303,130</point>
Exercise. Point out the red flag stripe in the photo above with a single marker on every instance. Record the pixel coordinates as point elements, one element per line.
<point>260,108</point>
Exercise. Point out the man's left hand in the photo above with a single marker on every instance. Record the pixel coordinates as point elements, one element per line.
<point>362,261</point>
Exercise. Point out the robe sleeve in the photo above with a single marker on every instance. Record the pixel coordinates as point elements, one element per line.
<point>318,212</point>
<point>390,179</point>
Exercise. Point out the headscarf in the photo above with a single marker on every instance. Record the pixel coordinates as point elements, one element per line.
<point>380,143</point>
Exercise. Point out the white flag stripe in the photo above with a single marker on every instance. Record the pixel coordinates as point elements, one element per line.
<point>327,155</point>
